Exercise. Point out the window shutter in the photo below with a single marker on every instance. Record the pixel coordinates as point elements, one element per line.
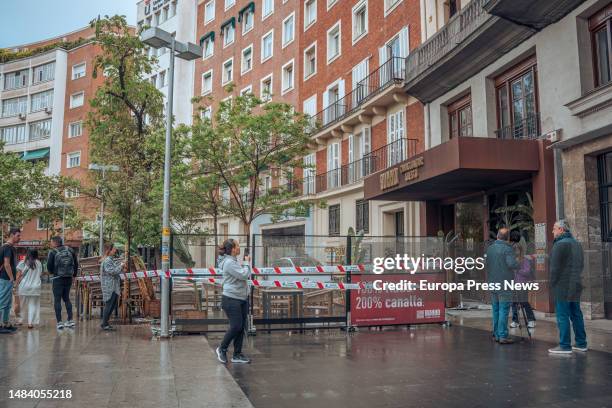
<point>404,42</point>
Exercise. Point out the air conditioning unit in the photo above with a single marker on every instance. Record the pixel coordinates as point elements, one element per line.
<point>48,110</point>
<point>553,136</point>
<point>22,116</point>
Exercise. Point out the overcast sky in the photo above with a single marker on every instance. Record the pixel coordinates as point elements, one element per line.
<point>26,21</point>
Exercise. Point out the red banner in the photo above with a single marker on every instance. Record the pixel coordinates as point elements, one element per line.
<point>372,307</point>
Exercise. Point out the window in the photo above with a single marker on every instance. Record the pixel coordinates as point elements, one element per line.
<point>333,109</point>
<point>41,101</point>
<point>605,194</point>
<point>41,225</point>
<point>390,5</point>
<point>362,221</point>
<point>229,3</point>
<point>517,111</point>
<point>206,113</point>
<point>333,42</point>
<point>267,8</point>
<point>246,90</point>
<point>365,145</point>
<point>460,117</point>
<point>288,29</point>
<point>228,71</point>
<point>310,163</point>
<point>360,20</point>
<point>208,45</point>
<point>601,31</point>
<point>14,106</point>
<point>310,13</point>
<point>207,79</point>
<point>248,21</point>
<point>75,129</point>
<point>267,46</point>
<point>209,11</point>
<point>334,219</point>
<point>310,61</point>
<point>330,3</point>
<point>73,160</point>
<point>247,59</point>
<point>162,79</point>
<point>13,134</point>
<point>77,99</point>
<point>154,80</point>
<point>266,88</point>
<point>287,77</point>
<point>43,73</point>
<point>71,193</point>
<point>40,130</point>
<point>78,71</point>
<point>164,15</point>
<point>396,138</point>
<point>358,76</point>
<point>333,165</point>
<point>172,12</point>
<point>228,32</point>
<point>17,79</point>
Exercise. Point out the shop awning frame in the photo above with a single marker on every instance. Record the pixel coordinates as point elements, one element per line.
<point>36,154</point>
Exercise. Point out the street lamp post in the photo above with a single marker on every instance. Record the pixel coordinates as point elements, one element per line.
<point>103,169</point>
<point>158,38</point>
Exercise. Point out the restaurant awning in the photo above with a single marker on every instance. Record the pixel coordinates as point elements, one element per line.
<point>36,154</point>
<point>459,167</point>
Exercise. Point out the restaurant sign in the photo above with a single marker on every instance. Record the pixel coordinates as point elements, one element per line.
<point>410,171</point>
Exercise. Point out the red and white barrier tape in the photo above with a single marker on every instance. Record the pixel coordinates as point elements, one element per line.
<point>310,284</point>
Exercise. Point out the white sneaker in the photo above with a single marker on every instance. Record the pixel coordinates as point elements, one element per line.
<point>60,326</point>
<point>514,325</point>
<point>531,324</point>
<point>69,323</point>
<point>583,349</point>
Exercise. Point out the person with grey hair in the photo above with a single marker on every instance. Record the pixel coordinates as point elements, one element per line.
<point>500,265</point>
<point>566,264</point>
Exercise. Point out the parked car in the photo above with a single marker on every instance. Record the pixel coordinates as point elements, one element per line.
<point>293,261</point>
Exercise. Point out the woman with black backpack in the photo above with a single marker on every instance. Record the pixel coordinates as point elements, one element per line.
<point>62,263</point>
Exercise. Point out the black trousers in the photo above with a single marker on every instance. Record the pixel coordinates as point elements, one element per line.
<point>236,311</point>
<point>109,306</point>
<point>61,291</point>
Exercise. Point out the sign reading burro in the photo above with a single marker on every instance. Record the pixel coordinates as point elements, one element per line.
<point>410,170</point>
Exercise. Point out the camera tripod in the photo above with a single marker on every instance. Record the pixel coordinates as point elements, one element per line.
<point>520,310</point>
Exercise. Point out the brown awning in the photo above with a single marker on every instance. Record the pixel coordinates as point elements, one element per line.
<point>461,166</point>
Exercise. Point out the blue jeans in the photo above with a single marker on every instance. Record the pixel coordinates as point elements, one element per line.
<point>567,311</point>
<point>501,307</point>
<point>6,299</point>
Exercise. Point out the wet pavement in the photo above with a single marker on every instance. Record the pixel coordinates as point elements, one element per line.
<point>126,368</point>
<point>428,366</point>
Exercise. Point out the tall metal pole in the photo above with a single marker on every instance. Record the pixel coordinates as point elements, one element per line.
<point>165,283</point>
<point>101,246</point>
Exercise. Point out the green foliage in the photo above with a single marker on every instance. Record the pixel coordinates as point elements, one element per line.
<point>26,191</point>
<point>7,55</point>
<point>126,130</point>
<point>518,216</point>
<point>247,140</point>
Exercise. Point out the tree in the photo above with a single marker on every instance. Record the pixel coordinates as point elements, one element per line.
<point>26,191</point>
<point>248,140</point>
<point>126,125</point>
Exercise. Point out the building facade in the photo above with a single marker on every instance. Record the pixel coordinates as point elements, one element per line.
<point>177,17</point>
<point>516,115</point>
<point>44,104</point>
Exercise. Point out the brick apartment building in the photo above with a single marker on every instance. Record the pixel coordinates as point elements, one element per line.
<point>340,63</point>
<point>45,101</point>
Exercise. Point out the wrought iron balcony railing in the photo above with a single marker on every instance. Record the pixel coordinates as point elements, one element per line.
<point>527,128</point>
<point>391,154</point>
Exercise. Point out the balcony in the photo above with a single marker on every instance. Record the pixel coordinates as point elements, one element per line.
<point>534,14</point>
<point>351,173</point>
<point>470,40</point>
<point>527,128</point>
<point>344,110</point>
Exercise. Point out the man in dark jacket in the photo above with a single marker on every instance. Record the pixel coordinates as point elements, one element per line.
<point>501,263</point>
<point>566,264</point>
<point>63,270</point>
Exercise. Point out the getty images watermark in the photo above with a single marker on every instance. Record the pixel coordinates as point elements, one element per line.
<point>424,263</point>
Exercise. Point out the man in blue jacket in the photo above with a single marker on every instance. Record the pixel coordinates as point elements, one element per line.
<point>566,264</point>
<point>501,263</point>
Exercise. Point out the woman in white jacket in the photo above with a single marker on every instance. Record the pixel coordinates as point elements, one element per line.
<point>28,286</point>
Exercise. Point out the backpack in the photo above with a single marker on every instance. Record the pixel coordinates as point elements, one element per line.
<point>64,262</point>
